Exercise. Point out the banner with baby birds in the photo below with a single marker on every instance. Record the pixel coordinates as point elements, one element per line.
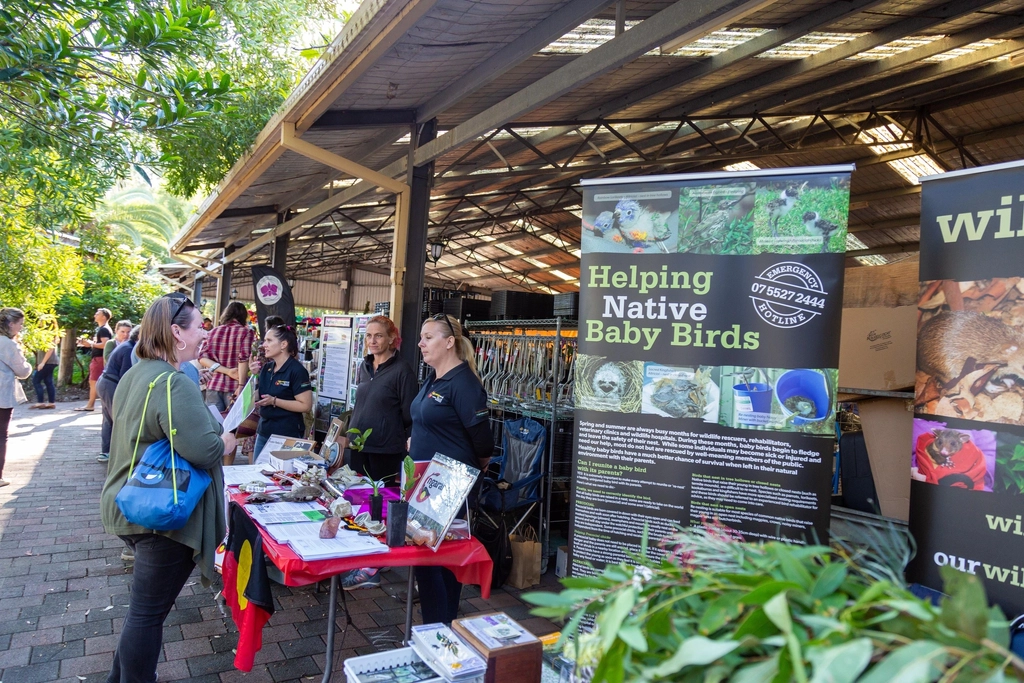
<point>705,388</point>
<point>967,449</point>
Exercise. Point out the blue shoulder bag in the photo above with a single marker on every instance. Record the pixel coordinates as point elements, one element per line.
<point>164,489</point>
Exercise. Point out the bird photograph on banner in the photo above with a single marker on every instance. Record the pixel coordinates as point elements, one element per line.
<point>801,215</point>
<point>641,221</point>
<point>716,219</point>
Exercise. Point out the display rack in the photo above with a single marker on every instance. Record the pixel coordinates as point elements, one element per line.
<point>527,369</point>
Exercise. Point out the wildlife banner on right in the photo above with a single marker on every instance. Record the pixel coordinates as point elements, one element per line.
<point>708,347</point>
<point>967,455</point>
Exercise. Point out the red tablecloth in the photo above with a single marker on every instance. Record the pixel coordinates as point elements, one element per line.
<point>468,560</point>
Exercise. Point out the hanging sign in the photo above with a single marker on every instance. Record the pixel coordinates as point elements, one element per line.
<point>708,345</point>
<point>273,296</point>
<point>967,455</point>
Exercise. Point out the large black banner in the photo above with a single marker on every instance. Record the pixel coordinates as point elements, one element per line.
<point>706,378</point>
<point>967,455</point>
<point>273,296</point>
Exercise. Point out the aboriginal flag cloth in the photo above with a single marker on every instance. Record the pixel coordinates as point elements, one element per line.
<point>246,586</point>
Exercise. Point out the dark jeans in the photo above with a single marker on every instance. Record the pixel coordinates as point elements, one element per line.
<point>5,422</point>
<point>161,568</point>
<point>439,594</point>
<point>44,377</point>
<point>105,391</point>
<point>378,466</point>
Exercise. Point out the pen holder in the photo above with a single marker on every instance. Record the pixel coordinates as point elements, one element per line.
<point>398,514</point>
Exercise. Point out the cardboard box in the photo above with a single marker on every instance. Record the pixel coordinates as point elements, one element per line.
<point>888,434</point>
<point>284,460</point>
<point>508,661</point>
<point>877,348</point>
<point>562,561</point>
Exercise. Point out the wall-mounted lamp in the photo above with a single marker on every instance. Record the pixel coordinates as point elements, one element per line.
<point>234,293</point>
<point>291,283</point>
<point>436,249</point>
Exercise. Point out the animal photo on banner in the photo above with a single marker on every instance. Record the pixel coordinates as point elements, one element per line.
<point>970,350</point>
<point>961,458</point>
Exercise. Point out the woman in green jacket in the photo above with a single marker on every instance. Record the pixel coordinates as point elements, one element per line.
<point>172,332</point>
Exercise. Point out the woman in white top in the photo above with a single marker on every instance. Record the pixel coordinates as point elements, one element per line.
<point>13,367</point>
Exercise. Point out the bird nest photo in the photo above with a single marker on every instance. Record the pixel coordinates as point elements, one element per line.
<point>970,350</point>
<point>608,386</point>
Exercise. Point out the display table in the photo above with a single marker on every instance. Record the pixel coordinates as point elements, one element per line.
<point>468,560</point>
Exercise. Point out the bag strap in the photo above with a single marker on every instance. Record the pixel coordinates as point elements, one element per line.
<point>138,437</point>
<point>170,425</point>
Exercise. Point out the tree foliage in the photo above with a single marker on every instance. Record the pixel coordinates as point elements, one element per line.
<point>142,218</point>
<point>90,89</point>
<point>113,276</point>
<point>267,50</point>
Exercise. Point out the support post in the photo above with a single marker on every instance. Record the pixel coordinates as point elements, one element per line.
<point>416,248</point>
<point>279,257</point>
<point>224,286</point>
<point>197,291</point>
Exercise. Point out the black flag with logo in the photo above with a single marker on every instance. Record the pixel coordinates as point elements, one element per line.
<point>273,296</point>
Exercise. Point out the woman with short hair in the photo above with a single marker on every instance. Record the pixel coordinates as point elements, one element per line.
<point>171,334</point>
<point>13,367</point>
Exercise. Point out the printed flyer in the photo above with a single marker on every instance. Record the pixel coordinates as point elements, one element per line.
<point>967,454</point>
<point>706,380</point>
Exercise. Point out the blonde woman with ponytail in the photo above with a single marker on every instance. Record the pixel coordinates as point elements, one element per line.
<point>449,416</point>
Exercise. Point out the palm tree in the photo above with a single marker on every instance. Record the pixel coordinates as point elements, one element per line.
<point>138,216</point>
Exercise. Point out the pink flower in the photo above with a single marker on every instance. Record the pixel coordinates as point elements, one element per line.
<point>638,250</point>
<point>268,290</point>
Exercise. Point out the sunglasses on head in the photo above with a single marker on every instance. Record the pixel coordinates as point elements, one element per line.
<point>441,316</point>
<point>182,300</point>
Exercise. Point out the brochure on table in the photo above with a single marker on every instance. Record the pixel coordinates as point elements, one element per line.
<point>276,442</point>
<point>437,499</point>
<point>446,653</point>
<point>242,407</point>
<point>304,539</point>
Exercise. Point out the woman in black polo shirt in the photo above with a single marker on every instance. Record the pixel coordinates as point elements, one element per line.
<point>449,416</point>
<point>285,389</point>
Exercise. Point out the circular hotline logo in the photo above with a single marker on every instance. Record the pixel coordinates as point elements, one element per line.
<point>269,290</point>
<point>788,294</point>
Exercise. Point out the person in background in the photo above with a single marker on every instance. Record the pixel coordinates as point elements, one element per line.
<point>119,362</point>
<point>207,324</point>
<point>13,367</point>
<point>386,388</point>
<point>122,329</point>
<point>100,336</point>
<point>257,359</point>
<point>449,416</point>
<point>171,334</point>
<point>285,392</point>
<point>227,356</point>
<point>46,362</point>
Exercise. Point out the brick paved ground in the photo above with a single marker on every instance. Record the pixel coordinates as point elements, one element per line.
<point>64,589</point>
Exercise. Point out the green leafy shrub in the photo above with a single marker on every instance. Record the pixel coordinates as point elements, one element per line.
<point>717,609</point>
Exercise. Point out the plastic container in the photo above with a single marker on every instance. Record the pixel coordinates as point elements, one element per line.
<point>753,402</point>
<point>810,384</point>
<point>382,660</point>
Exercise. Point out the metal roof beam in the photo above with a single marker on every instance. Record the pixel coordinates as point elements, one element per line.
<point>947,88</point>
<point>895,31</point>
<point>268,210</point>
<point>918,79</point>
<point>364,118</point>
<point>568,17</point>
<point>808,91</point>
<point>686,19</point>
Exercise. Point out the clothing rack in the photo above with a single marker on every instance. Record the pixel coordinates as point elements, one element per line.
<point>527,369</point>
